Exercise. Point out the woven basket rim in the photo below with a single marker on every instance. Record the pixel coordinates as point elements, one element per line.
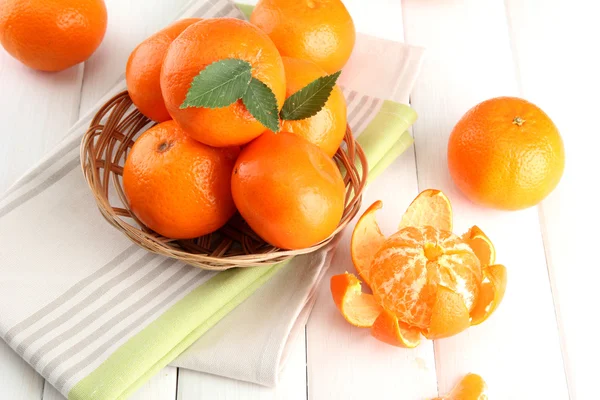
<point>103,150</point>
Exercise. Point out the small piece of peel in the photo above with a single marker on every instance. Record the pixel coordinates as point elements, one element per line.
<point>358,308</point>
<point>491,293</point>
<point>430,208</point>
<point>388,329</point>
<point>481,245</point>
<point>366,240</point>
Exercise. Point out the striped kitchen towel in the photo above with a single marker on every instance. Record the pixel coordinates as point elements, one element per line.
<point>97,316</point>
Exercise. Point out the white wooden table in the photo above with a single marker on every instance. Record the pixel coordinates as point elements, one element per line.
<point>542,342</point>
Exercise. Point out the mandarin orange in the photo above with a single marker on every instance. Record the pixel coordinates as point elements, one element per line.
<point>321,31</point>
<point>289,191</point>
<point>424,279</point>
<point>327,128</point>
<point>143,70</point>
<point>206,42</point>
<point>506,153</point>
<point>177,186</point>
<point>52,35</point>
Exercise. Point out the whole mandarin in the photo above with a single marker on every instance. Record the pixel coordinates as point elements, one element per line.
<point>201,44</point>
<point>178,186</point>
<point>52,35</point>
<point>143,70</point>
<point>289,191</point>
<point>506,153</point>
<point>321,31</point>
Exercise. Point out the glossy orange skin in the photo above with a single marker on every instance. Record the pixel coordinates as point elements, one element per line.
<point>503,162</point>
<point>177,186</point>
<point>326,129</point>
<point>321,31</point>
<point>288,190</point>
<point>201,44</point>
<point>143,70</point>
<point>52,35</point>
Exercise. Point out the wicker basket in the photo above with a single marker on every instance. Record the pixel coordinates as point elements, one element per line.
<point>104,149</point>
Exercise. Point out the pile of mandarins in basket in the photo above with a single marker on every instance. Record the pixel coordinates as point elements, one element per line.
<point>249,118</point>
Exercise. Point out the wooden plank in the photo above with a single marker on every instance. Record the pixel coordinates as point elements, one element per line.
<point>17,379</point>
<point>37,110</point>
<point>345,361</point>
<point>559,72</point>
<point>469,59</point>
<point>195,385</point>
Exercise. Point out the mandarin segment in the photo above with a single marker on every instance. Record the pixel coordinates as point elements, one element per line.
<point>358,308</point>
<point>430,208</point>
<point>388,329</point>
<point>491,293</point>
<point>481,245</point>
<point>366,240</point>
<point>471,387</point>
<point>449,315</point>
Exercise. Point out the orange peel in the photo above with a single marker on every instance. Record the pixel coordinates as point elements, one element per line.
<point>388,329</point>
<point>430,208</point>
<point>366,240</point>
<point>358,308</point>
<point>471,387</point>
<point>481,245</point>
<point>449,316</point>
<point>491,293</point>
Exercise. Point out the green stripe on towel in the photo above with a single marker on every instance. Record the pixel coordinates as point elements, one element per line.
<point>141,357</point>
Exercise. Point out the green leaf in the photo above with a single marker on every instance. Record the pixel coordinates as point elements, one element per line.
<point>219,84</point>
<point>262,104</point>
<point>309,100</point>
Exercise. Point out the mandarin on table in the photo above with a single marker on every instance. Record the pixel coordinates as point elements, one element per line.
<point>201,44</point>
<point>321,31</point>
<point>327,128</point>
<point>506,153</point>
<point>52,35</point>
<point>288,190</point>
<point>143,70</point>
<point>425,279</point>
<point>177,186</point>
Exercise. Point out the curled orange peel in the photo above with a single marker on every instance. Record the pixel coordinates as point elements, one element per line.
<point>449,315</point>
<point>358,308</point>
<point>430,208</point>
<point>491,293</point>
<point>471,387</point>
<point>366,240</point>
<point>388,329</point>
<point>481,245</point>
